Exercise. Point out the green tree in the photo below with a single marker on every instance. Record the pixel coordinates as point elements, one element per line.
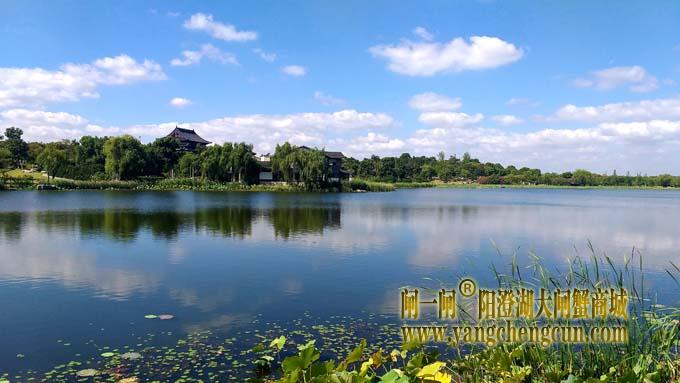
<point>242,162</point>
<point>189,165</point>
<point>124,157</point>
<point>162,155</point>
<point>582,177</point>
<point>52,159</point>
<point>284,162</point>
<point>5,157</point>
<point>17,147</point>
<point>90,158</point>
<point>212,164</point>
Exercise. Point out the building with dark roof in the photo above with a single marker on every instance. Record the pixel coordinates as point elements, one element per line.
<point>188,139</point>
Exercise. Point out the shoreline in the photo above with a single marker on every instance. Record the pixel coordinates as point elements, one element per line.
<point>356,185</point>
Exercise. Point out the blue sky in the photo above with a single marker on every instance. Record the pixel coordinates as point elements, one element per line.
<point>556,85</point>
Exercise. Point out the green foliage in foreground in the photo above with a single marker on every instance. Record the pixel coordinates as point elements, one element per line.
<point>416,363</point>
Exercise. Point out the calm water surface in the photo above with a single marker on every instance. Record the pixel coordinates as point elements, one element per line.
<point>82,269</point>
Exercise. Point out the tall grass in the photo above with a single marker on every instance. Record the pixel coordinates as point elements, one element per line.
<point>370,186</point>
<point>651,353</point>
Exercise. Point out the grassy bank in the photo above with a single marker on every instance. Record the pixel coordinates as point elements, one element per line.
<point>369,186</point>
<point>18,180</point>
<point>539,186</point>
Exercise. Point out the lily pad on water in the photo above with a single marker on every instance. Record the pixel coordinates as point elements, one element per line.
<point>87,372</point>
<point>151,316</point>
<point>131,355</point>
<point>108,354</point>
<point>165,317</point>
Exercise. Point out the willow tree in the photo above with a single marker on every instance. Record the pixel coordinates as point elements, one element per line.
<point>312,168</point>
<point>284,162</point>
<point>242,161</point>
<point>295,164</point>
<point>124,157</point>
<point>212,164</point>
<point>52,160</point>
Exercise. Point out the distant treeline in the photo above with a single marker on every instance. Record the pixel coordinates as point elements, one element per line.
<point>407,168</point>
<point>126,158</point>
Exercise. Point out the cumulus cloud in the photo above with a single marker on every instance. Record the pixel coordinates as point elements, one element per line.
<point>180,102</point>
<point>372,143</point>
<point>268,57</point>
<point>71,82</point>
<point>208,51</point>
<point>294,70</point>
<point>507,119</point>
<point>433,102</point>
<point>26,116</point>
<point>450,119</point>
<point>522,101</point>
<point>423,33</point>
<point>328,100</point>
<point>636,78</point>
<point>227,32</point>
<point>40,125</point>
<point>622,111</point>
<point>264,131</point>
<point>431,58</point>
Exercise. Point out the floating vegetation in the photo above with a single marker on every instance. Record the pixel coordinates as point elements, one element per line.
<point>150,316</point>
<point>131,355</point>
<point>208,356</point>
<point>86,373</point>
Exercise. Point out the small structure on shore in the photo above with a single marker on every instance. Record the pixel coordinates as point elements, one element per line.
<point>188,139</point>
<point>265,163</point>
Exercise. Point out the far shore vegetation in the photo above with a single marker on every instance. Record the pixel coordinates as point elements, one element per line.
<point>123,162</point>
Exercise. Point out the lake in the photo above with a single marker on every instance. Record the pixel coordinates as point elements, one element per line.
<point>80,270</point>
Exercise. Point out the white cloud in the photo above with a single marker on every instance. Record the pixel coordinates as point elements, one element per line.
<point>450,119</point>
<point>372,143</point>
<point>423,33</point>
<point>636,78</point>
<point>268,57</point>
<point>72,82</point>
<point>622,111</point>
<point>430,58</point>
<point>264,131</point>
<point>207,50</point>
<point>294,70</point>
<point>523,101</point>
<point>507,119</point>
<point>39,125</point>
<point>226,32</point>
<point>328,100</point>
<point>179,102</point>
<point>433,102</point>
<point>25,116</point>
<point>655,130</point>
